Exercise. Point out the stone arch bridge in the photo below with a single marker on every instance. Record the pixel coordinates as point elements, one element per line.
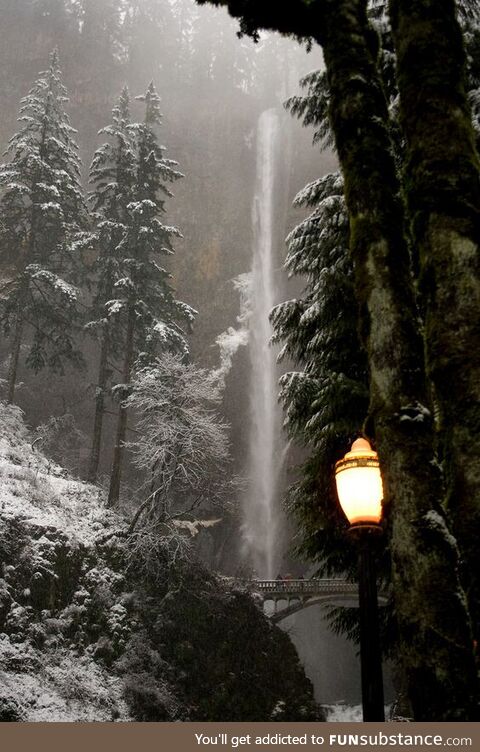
<point>300,594</point>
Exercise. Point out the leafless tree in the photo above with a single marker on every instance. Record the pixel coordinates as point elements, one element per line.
<point>182,444</point>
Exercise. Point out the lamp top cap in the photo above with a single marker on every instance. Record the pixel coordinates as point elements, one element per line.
<point>360,450</point>
<point>360,446</point>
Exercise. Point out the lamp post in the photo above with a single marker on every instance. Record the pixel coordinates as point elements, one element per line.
<point>360,492</point>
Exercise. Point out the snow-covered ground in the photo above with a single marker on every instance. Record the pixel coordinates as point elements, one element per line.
<point>67,610</point>
<point>34,488</point>
<point>343,713</point>
<point>43,674</point>
<point>61,688</point>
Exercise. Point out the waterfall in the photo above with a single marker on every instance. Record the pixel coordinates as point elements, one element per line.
<point>261,513</point>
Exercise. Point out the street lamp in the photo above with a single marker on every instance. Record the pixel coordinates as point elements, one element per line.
<point>360,492</point>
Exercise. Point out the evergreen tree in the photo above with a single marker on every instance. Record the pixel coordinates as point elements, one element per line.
<point>42,210</point>
<point>326,402</point>
<point>154,320</point>
<point>113,175</point>
<point>472,41</point>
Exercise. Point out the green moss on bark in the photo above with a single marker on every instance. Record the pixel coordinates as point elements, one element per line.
<point>433,620</point>
<point>443,181</point>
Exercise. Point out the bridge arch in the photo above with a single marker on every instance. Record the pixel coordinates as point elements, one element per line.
<point>296,604</point>
<point>302,594</point>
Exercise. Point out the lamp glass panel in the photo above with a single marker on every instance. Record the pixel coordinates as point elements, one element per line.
<point>360,493</point>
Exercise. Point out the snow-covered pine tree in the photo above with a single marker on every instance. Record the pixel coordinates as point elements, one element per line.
<point>112,174</point>
<point>42,210</point>
<point>155,321</point>
<point>326,400</point>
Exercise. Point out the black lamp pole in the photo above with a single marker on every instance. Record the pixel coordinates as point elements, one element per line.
<point>360,493</point>
<point>370,651</point>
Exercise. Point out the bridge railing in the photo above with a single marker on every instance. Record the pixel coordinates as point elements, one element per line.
<point>300,587</point>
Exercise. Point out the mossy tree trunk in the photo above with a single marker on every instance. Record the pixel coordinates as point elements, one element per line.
<point>443,182</point>
<point>433,622</point>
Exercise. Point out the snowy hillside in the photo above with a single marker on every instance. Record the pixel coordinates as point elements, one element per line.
<point>35,489</point>
<point>45,516</point>
<point>84,637</point>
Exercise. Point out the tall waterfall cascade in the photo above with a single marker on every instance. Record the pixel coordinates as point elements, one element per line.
<point>261,509</point>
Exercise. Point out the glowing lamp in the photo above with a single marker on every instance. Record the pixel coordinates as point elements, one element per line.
<point>359,484</point>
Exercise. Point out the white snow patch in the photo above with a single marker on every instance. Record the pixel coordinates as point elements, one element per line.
<point>51,682</point>
<point>194,526</point>
<point>35,489</point>
<point>414,413</point>
<point>437,523</point>
<point>342,713</point>
<point>59,686</point>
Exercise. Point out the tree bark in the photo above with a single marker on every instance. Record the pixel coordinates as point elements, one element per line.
<point>119,449</point>
<point>433,623</point>
<point>443,181</point>
<point>99,409</point>
<point>14,357</point>
<point>288,17</point>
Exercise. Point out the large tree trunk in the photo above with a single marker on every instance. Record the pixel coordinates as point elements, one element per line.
<point>14,357</point>
<point>119,449</point>
<point>99,409</point>
<point>433,622</point>
<point>444,200</point>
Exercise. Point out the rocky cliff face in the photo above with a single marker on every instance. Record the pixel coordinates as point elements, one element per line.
<point>86,635</point>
